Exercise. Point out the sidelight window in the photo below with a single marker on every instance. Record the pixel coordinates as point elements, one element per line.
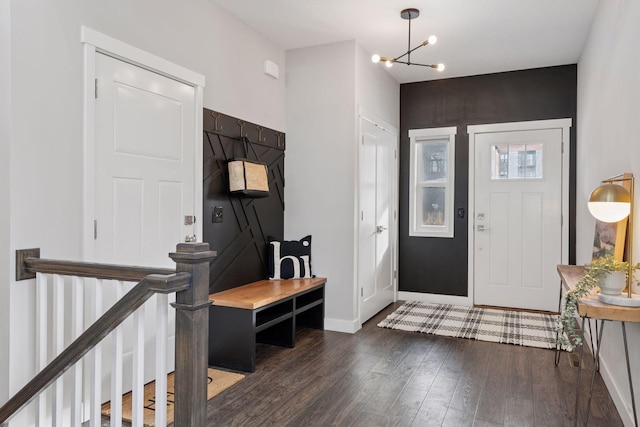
<point>431,182</point>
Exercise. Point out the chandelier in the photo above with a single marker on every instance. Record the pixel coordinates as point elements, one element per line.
<point>409,14</point>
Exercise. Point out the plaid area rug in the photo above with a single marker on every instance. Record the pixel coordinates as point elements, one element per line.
<point>484,324</point>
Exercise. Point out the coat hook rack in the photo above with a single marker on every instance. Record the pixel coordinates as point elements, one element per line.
<point>241,123</point>
<point>216,117</point>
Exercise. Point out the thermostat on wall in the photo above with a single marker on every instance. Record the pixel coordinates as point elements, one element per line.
<point>270,68</point>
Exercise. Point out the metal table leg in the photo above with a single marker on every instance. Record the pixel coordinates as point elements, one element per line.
<point>595,360</point>
<point>558,349</point>
<point>626,354</point>
<point>575,416</point>
<point>593,371</point>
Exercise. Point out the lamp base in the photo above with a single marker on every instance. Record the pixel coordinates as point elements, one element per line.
<point>622,299</point>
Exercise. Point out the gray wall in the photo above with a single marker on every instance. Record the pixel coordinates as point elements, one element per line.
<point>438,265</point>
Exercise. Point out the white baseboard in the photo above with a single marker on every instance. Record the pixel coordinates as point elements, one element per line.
<point>435,298</point>
<point>340,325</point>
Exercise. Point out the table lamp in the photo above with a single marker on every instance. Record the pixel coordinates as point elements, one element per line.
<point>611,202</point>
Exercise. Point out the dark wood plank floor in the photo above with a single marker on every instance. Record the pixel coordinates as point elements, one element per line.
<point>381,377</point>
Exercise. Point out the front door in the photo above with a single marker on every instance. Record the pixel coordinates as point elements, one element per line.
<point>518,188</point>
<point>144,164</point>
<point>378,219</point>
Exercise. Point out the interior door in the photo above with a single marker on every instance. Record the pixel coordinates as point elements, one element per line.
<point>378,219</point>
<point>518,218</point>
<point>144,184</point>
<point>144,164</point>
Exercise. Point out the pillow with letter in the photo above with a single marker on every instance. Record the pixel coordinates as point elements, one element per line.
<point>289,259</point>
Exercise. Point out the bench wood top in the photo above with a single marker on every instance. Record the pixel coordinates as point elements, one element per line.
<point>258,294</point>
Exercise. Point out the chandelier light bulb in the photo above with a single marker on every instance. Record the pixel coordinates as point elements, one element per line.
<point>440,67</point>
<point>375,58</point>
<point>389,63</point>
<point>432,40</point>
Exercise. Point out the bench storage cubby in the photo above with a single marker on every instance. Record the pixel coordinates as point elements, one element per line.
<point>267,312</point>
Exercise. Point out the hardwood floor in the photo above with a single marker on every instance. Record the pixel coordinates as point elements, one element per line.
<point>382,377</point>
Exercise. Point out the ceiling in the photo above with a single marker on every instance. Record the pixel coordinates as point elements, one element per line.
<point>474,36</point>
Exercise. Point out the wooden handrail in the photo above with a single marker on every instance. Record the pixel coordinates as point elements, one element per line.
<point>109,321</point>
<point>190,282</point>
<point>31,265</point>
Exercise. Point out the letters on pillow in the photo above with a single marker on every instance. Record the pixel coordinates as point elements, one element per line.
<point>290,259</point>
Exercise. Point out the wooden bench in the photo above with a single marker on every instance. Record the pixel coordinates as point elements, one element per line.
<point>267,312</point>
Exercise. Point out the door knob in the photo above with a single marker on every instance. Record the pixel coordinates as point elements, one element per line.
<point>380,229</point>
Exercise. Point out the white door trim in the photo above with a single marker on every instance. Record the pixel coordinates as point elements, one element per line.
<point>370,117</point>
<point>377,121</point>
<point>94,41</point>
<point>472,130</point>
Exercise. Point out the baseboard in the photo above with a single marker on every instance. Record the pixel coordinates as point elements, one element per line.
<point>340,325</point>
<point>623,405</point>
<point>619,393</point>
<point>435,298</point>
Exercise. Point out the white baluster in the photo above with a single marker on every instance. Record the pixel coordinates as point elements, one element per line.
<point>58,332</point>
<point>137,397</point>
<point>41,341</point>
<point>96,380</point>
<point>116,367</point>
<point>161,359</point>
<point>77,292</point>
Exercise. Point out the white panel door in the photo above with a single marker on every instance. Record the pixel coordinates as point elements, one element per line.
<point>518,218</point>
<point>144,164</point>
<point>144,184</point>
<point>377,231</point>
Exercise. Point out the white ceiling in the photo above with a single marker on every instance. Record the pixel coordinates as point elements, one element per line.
<point>474,36</point>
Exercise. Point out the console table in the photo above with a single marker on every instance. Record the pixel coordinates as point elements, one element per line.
<point>589,307</point>
<point>266,311</point>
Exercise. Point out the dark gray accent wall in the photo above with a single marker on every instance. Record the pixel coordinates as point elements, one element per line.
<point>240,239</point>
<point>437,265</point>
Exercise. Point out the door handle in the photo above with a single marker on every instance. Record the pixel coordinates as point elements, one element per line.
<point>482,228</point>
<point>380,229</point>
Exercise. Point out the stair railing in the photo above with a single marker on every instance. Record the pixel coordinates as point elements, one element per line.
<point>189,281</point>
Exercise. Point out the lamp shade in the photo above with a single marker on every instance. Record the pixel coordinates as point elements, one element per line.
<point>610,203</point>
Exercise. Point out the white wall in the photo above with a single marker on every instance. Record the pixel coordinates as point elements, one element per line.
<point>376,91</point>
<point>607,145</point>
<point>5,134</point>
<point>325,87</point>
<point>46,70</point>
<point>319,166</point>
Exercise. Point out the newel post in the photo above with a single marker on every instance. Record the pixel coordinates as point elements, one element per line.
<point>192,335</point>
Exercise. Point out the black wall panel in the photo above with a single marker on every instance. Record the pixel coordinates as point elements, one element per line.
<point>241,238</point>
<point>437,265</point>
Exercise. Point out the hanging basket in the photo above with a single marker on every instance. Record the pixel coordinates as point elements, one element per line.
<point>247,178</point>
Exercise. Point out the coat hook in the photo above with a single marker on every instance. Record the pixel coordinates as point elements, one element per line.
<point>241,123</point>
<point>216,116</point>
<point>260,129</point>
